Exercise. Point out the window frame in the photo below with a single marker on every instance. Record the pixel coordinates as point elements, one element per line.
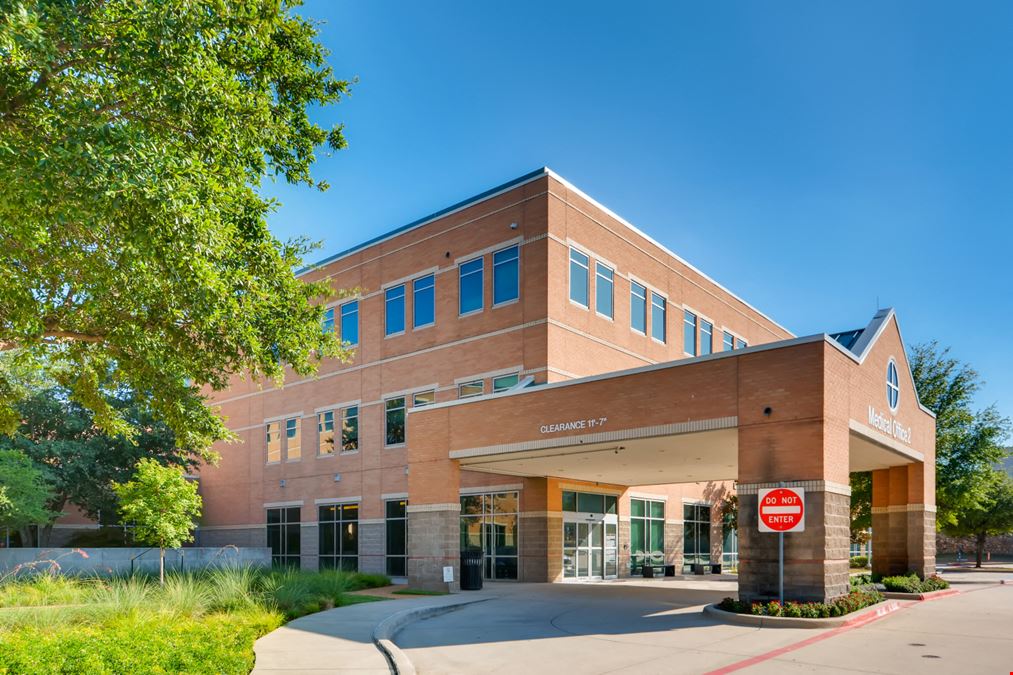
<point>727,341</point>
<point>461,274</point>
<point>701,322</point>
<point>295,423</point>
<point>431,277</point>
<point>321,422</point>
<point>415,397</point>
<point>634,285</point>
<point>516,260</point>
<point>686,313</point>
<point>663,306</point>
<point>354,313</point>
<point>587,277</point>
<point>387,555</point>
<point>892,385</point>
<point>517,380</point>
<point>328,320</point>
<point>346,415</point>
<point>284,524</point>
<point>387,299</point>
<point>387,410</point>
<point>338,524</point>
<point>480,382</point>
<point>267,441</point>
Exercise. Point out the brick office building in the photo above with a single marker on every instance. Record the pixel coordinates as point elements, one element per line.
<point>535,377</point>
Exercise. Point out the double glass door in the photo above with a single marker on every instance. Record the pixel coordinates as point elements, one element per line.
<point>590,546</point>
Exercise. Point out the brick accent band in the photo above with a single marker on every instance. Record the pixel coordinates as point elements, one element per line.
<point>425,508</point>
<point>903,508</point>
<point>807,485</point>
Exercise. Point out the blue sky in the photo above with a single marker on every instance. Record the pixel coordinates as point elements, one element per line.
<point>816,158</point>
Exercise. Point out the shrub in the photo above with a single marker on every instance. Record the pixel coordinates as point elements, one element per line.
<point>852,602</point>
<point>860,581</point>
<point>859,562</point>
<point>912,584</point>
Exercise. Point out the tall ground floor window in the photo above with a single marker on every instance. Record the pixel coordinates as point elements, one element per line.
<point>489,524</point>
<point>647,534</point>
<point>696,545</point>
<point>284,536</point>
<point>339,536</point>
<point>397,537</point>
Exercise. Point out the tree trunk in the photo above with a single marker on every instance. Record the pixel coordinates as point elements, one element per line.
<point>979,549</point>
<point>27,540</point>
<point>161,567</point>
<point>45,535</point>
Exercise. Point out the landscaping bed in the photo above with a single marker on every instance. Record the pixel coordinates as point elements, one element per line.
<point>912,588</point>
<point>197,623</point>
<point>852,602</point>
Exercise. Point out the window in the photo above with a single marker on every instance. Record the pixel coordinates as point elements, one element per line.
<point>325,433</point>
<point>339,537</point>
<point>506,275</point>
<point>706,337</point>
<point>350,429</point>
<point>689,330</point>
<point>657,317</point>
<point>740,344</point>
<point>423,398</point>
<point>329,320</point>
<point>647,534</point>
<point>284,536</point>
<point>489,524</point>
<point>638,307</point>
<point>696,547</point>
<point>474,388</point>
<point>585,502</point>
<point>424,301</point>
<point>394,422</point>
<point>505,382</point>
<point>470,286</point>
<point>394,310</point>
<point>728,343</point>
<point>892,385</point>
<point>604,280</point>
<point>350,322</point>
<point>273,442</point>
<point>397,537</point>
<point>293,442</point>
<point>578,277</point>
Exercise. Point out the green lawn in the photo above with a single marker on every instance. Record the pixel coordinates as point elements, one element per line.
<point>197,623</point>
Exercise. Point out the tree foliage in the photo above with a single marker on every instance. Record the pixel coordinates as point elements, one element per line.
<point>969,443</point>
<point>992,515</point>
<point>161,504</point>
<point>134,139</point>
<point>80,461</point>
<point>23,492</point>
<point>861,506</point>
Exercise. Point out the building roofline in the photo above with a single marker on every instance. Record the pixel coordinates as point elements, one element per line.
<point>509,185</point>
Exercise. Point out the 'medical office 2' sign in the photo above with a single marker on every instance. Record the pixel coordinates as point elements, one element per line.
<point>573,425</point>
<point>889,425</point>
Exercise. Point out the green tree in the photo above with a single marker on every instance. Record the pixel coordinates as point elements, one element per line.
<point>992,515</point>
<point>134,139</point>
<point>23,492</point>
<point>969,443</point>
<point>162,505</point>
<point>79,460</point>
<point>861,506</point>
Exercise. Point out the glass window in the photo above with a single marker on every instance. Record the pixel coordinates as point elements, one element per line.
<point>339,536</point>
<point>350,322</point>
<point>638,307</point>
<point>569,501</point>
<point>424,301</point>
<point>892,385</point>
<point>689,333</point>
<point>396,512</point>
<point>647,534</point>
<point>394,310</point>
<point>696,535</point>
<point>706,337</point>
<point>489,523</point>
<point>604,277</point>
<point>293,443</point>
<point>506,275</point>
<point>325,433</point>
<point>728,342</point>
<point>657,317</point>
<point>474,388</point>
<point>423,398</point>
<point>470,286</point>
<point>505,382</point>
<point>284,536</point>
<point>740,344</point>
<point>329,320</point>
<point>350,429</point>
<point>273,442</point>
<point>578,277</point>
<point>395,421</point>
<point>590,503</point>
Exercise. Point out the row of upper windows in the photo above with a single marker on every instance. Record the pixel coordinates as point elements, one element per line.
<point>284,437</point>
<point>471,296</point>
<point>648,308</point>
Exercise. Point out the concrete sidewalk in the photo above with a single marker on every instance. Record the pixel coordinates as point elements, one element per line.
<point>341,640</point>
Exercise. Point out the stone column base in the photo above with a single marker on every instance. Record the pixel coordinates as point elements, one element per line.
<point>434,542</point>
<point>904,540</point>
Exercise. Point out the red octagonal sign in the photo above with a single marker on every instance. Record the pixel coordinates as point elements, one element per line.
<point>782,509</point>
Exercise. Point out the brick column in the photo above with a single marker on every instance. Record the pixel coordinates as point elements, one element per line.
<point>815,561</point>
<point>434,504</point>
<point>921,519</point>
<point>903,524</point>
<point>881,564</point>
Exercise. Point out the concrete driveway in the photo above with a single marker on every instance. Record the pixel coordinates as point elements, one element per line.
<point>657,627</point>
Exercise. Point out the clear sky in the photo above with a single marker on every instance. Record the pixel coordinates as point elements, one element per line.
<point>819,159</point>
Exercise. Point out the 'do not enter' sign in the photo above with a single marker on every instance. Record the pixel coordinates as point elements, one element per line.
<point>781,509</point>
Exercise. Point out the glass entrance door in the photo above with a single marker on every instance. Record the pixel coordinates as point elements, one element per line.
<point>590,546</point>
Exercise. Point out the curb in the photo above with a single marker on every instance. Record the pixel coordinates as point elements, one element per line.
<point>869,614</point>
<point>384,632</point>
<point>921,597</point>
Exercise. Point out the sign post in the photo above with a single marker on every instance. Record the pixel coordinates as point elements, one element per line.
<point>781,509</point>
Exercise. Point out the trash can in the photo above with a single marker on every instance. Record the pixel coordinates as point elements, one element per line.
<point>471,570</point>
<point>716,568</point>
<point>699,568</point>
<point>669,570</point>
<point>648,572</point>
